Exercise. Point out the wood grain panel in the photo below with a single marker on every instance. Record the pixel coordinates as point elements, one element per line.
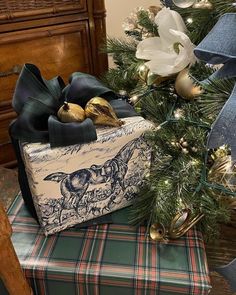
<point>56,50</point>
<point>5,120</point>
<point>7,154</point>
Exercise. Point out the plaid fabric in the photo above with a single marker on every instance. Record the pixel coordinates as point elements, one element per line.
<point>107,259</point>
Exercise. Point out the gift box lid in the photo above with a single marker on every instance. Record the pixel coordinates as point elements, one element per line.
<point>107,259</point>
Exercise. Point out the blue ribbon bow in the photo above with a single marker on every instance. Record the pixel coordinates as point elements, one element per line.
<point>219,47</point>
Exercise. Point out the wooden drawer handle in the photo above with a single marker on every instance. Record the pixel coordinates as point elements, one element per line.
<point>15,70</point>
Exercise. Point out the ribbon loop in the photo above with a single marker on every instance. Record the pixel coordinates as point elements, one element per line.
<point>37,101</point>
<point>219,47</point>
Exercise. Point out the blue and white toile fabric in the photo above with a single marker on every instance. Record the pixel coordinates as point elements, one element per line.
<point>76,183</point>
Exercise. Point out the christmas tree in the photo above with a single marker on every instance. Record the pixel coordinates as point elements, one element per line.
<point>157,70</point>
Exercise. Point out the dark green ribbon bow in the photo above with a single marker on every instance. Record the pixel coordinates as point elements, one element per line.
<point>37,100</point>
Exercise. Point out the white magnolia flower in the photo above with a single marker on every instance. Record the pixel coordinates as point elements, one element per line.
<point>172,51</point>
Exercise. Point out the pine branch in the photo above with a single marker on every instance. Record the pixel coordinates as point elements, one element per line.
<point>122,46</point>
<point>222,7</point>
<point>216,93</point>
<point>145,22</point>
<point>200,71</point>
<point>203,20</point>
<point>120,79</point>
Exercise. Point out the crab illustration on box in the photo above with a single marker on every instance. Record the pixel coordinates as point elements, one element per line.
<point>73,184</point>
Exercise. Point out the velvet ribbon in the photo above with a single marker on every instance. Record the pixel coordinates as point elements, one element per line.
<point>219,47</point>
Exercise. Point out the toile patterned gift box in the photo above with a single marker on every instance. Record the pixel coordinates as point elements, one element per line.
<point>76,183</point>
<point>107,259</point>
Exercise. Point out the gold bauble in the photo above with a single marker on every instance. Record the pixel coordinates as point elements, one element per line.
<point>203,4</point>
<point>143,72</point>
<point>185,87</point>
<point>101,112</point>
<point>71,112</point>
<point>157,232</point>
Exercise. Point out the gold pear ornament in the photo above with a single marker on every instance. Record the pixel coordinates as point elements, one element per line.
<point>101,112</point>
<point>71,112</point>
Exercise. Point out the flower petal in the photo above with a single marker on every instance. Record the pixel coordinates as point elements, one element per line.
<point>167,19</point>
<point>148,48</point>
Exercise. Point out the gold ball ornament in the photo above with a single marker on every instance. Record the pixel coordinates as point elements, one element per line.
<point>157,232</point>
<point>203,4</point>
<point>185,144</point>
<point>134,99</point>
<point>194,149</point>
<point>185,87</point>
<point>101,112</point>
<point>143,72</point>
<point>71,112</point>
<point>185,151</point>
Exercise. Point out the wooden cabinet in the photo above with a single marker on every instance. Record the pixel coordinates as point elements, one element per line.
<point>59,36</point>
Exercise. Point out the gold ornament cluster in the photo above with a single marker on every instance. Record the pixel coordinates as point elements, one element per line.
<point>97,109</point>
<point>183,145</point>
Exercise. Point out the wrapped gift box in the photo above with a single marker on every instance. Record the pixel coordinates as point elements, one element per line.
<point>107,259</point>
<point>76,183</point>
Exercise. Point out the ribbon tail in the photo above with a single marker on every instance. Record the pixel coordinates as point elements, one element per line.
<point>229,272</point>
<point>223,130</point>
<point>61,134</point>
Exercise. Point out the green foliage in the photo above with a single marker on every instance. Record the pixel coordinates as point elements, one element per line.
<point>200,71</point>
<point>146,23</point>
<point>180,161</point>
<point>216,93</point>
<point>121,78</point>
<point>204,19</point>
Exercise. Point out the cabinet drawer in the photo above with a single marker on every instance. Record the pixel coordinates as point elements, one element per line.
<point>56,50</point>
<point>14,10</point>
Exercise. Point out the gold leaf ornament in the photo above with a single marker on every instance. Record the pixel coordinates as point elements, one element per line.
<point>101,112</point>
<point>71,112</point>
<point>183,221</point>
<point>224,173</point>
